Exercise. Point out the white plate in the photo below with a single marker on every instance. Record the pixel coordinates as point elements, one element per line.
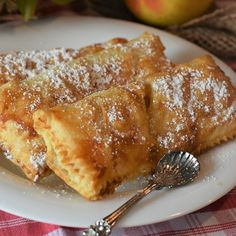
<point>49,201</point>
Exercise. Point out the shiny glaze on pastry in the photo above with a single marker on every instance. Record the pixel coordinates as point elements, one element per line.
<point>69,82</point>
<point>111,136</point>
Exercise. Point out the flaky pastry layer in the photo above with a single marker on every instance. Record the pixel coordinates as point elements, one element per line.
<point>16,66</point>
<point>107,140</point>
<point>111,136</point>
<point>69,82</point>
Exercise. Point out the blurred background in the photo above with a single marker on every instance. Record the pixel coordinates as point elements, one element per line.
<point>208,23</point>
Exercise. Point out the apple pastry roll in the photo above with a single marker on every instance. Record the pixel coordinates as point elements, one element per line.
<point>114,135</point>
<point>27,64</point>
<point>68,83</point>
<point>19,66</point>
<point>98,142</point>
<point>192,108</point>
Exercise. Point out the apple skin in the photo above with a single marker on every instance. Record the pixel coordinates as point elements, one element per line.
<point>168,12</point>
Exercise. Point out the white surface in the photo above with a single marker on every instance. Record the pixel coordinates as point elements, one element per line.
<point>49,202</point>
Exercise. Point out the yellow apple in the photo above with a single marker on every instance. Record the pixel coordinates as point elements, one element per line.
<point>168,12</point>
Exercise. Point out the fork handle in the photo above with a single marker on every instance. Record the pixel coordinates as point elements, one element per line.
<point>103,227</point>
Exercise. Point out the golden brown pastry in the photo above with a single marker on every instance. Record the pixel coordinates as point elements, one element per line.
<point>111,136</point>
<point>68,83</point>
<point>99,142</point>
<point>27,64</point>
<point>20,142</point>
<point>192,108</point>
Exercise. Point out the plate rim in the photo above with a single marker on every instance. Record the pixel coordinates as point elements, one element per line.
<point>158,31</point>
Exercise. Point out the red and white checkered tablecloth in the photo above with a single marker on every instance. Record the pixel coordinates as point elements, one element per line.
<point>219,219</point>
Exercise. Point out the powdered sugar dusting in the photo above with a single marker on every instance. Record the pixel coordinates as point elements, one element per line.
<point>218,89</point>
<point>167,140</point>
<point>28,64</point>
<point>6,153</point>
<point>71,81</point>
<point>114,115</point>
<point>171,88</point>
<point>208,96</point>
<point>38,160</point>
<point>229,112</point>
<point>145,43</point>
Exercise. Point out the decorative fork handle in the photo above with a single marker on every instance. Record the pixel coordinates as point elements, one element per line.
<point>103,227</point>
